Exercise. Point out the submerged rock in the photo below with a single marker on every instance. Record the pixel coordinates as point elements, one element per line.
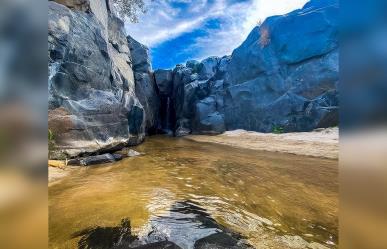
<point>220,241</point>
<point>158,245</point>
<point>187,226</point>
<point>133,153</point>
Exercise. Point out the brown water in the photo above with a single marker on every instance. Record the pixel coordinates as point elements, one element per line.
<point>273,200</point>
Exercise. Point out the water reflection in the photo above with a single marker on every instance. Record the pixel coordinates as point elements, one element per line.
<point>186,226</point>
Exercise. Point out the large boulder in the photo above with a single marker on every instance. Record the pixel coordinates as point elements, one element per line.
<point>92,101</point>
<point>208,119</point>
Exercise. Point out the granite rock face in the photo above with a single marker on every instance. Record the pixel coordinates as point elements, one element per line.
<point>284,75</point>
<point>146,88</point>
<point>93,105</point>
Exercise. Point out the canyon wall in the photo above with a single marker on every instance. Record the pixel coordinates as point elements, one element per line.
<point>283,78</point>
<point>103,94</point>
<point>94,105</point>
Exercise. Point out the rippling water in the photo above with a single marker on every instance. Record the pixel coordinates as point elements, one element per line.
<point>182,191</point>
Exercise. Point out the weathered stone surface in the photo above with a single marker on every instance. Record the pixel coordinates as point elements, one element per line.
<point>282,74</point>
<point>140,56</point>
<point>92,102</point>
<point>164,81</point>
<point>146,88</point>
<point>208,68</point>
<point>208,119</point>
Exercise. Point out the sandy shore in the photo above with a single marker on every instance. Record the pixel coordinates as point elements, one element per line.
<point>57,170</point>
<point>322,143</point>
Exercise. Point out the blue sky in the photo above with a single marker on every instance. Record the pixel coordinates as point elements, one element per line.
<point>180,30</point>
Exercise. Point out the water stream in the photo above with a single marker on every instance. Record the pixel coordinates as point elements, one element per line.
<point>182,191</point>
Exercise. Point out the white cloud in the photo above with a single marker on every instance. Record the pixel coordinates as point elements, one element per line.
<point>164,22</point>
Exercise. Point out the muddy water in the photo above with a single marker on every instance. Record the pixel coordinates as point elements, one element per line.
<point>272,200</point>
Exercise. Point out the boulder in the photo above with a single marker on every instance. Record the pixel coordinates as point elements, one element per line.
<point>208,119</point>
<point>133,153</point>
<point>183,127</point>
<point>93,160</point>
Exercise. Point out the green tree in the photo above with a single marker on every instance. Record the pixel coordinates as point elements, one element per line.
<point>130,9</point>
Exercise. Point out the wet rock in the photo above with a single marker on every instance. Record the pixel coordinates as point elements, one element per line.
<point>117,157</point>
<point>133,153</point>
<point>190,226</point>
<point>100,159</point>
<point>106,237</point>
<point>186,226</point>
<point>182,127</point>
<point>93,160</point>
<point>219,241</point>
<point>159,245</point>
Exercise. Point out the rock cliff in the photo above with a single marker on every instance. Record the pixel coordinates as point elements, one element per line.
<point>93,105</point>
<point>284,77</point>
<point>103,94</point>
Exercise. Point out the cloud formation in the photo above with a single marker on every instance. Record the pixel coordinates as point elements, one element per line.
<point>210,27</point>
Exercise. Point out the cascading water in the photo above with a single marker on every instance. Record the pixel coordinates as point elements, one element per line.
<point>168,116</point>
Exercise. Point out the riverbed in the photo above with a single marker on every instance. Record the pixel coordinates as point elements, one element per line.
<point>270,199</point>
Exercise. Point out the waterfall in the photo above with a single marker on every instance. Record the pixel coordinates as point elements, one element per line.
<point>52,71</point>
<point>168,116</point>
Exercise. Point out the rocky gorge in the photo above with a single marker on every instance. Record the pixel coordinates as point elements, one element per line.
<point>104,94</point>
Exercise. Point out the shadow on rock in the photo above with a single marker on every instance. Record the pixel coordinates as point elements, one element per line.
<point>106,237</point>
<point>187,226</point>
